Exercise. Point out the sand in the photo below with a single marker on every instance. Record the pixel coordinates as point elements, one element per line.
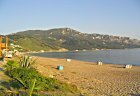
<point>93,79</point>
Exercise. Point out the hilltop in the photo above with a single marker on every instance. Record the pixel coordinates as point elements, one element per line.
<point>69,39</point>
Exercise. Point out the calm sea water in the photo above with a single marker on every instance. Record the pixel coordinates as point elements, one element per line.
<point>117,56</point>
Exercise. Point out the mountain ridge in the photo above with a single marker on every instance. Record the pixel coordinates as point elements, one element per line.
<point>70,39</point>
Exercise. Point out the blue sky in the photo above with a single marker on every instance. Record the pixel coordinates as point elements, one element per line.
<point>114,17</point>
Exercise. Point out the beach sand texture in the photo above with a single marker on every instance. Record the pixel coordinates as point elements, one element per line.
<point>93,79</point>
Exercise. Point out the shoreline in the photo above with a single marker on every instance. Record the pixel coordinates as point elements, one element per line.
<point>85,61</point>
<point>94,63</point>
<point>93,79</point>
<point>79,50</point>
<point>121,57</point>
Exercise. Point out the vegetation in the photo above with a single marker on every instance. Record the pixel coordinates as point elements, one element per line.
<point>27,81</point>
<point>55,39</point>
<point>26,61</point>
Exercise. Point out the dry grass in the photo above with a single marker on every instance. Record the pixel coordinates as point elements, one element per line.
<point>3,77</point>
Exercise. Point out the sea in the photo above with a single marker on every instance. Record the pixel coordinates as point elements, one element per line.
<point>114,56</point>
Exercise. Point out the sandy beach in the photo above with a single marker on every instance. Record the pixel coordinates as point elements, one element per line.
<point>92,79</point>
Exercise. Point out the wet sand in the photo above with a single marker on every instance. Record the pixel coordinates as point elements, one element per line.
<point>93,79</point>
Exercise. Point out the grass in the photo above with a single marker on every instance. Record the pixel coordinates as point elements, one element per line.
<point>28,43</point>
<point>3,77</point>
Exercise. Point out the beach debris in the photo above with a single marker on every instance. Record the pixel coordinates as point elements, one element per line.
<point>99,63</point>
<point>60,67</point>
<point>128,66</point>
<point>68,60</point>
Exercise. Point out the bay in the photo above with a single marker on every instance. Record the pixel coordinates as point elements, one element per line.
<point>115,56</point>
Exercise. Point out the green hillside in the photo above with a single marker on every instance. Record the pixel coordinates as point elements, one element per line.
<point>66,38</point>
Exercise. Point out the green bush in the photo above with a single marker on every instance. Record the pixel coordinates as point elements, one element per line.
<point>24,76</point>
<point>11,65</point>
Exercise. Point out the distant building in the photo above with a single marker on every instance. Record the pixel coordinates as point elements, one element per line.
<point>12,44</point>
<point>42,51</point>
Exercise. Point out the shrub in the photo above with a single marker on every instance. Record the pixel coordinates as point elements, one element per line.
<point>10,66</point>
<point>24,76</point>
<point>26,61</point>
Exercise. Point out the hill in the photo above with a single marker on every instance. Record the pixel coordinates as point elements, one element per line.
<point>69,39</point>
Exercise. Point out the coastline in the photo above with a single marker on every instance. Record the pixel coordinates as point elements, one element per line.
<point>116,56</point>
<point>92,79</point>
<point>78,50</point>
